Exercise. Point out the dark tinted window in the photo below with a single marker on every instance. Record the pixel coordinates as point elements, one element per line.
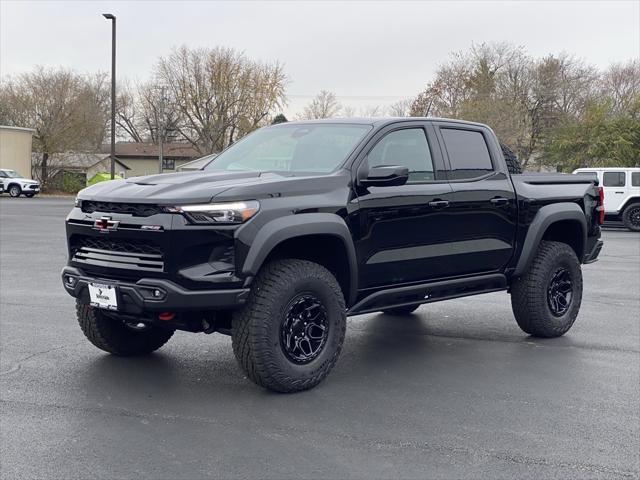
<point>613,179</point>
<point>635,179</point>
<point>408,148</point>
<point>468,153</point>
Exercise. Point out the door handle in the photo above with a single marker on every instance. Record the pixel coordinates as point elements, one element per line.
<point>619,192</point>
<point>500,201</point>
<point>439,204</point>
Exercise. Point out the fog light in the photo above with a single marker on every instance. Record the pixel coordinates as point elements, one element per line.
<point>157,293</point>
<point>71,281</point>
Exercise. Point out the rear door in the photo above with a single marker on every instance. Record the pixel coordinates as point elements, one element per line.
<point>614,183</point>
<point>483,203</point>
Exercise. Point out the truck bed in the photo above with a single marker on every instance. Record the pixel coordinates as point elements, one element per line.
<point>534,178</point>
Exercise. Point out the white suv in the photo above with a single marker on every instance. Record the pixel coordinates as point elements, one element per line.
<point>621,193</point>
<point>17,185</point>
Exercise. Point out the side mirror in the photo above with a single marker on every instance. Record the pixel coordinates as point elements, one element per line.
<point>386,176</point>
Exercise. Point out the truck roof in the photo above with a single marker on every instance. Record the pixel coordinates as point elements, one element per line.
<point>608,169</point>
<point>379,121</point>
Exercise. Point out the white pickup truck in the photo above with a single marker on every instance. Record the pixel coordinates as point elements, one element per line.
<point>621,193</point>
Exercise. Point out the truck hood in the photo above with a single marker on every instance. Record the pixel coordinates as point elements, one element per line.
<point>167,188</point>
<point>182,188</point>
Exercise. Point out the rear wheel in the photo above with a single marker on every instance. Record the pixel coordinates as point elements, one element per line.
<point>400,311</point>
<point>113,335</point>
<point>546,299</point>
<point>289,334</point>
<point>631,217</point>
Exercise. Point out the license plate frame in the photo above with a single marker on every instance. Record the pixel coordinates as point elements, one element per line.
<point>103,295</point>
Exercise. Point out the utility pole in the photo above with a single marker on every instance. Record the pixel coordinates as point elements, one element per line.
<point>161,130</point>
<point>112,17</point>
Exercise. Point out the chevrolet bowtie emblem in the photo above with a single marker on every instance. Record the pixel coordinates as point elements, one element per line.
<point>105,225</point>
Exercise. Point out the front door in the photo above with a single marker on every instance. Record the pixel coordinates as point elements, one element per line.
<point>404,230</point>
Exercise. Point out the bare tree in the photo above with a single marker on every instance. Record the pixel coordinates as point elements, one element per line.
<point>68,112</point>
<point>219,95</point>
<point>128,114</point>
<point>324,105</point>
<point>621,84</point>
<point>401,108</point>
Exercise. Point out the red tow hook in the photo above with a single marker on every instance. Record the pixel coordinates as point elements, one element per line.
<point>166,316</point>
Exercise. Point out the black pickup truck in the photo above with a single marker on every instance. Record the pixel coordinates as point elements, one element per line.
<point>299,225</point>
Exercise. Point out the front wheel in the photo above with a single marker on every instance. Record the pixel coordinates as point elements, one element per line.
<point>631,217</point>
<point>113,335</point>
<point>29,195</point>
<point>546,299</point>
<point>15,191</point>
<point>289,334</point>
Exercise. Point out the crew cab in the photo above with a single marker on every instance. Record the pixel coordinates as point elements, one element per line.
<point>299,225</point>
<point>621,193</point>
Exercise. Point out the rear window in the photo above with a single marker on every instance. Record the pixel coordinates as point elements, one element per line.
<point>635,179</point>
<point>468,153</point>
<point>613,179</point>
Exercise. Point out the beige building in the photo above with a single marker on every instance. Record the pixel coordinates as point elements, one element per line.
<point>15,149</point>
<point>143,158</point>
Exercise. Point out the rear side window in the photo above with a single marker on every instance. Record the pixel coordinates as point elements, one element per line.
<point>635,179</point>
<point>468,153</point>
<point>613,179</point>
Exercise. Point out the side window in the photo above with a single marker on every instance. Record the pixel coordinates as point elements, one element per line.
<point>613,179</point>
<point>635,179</point>
<point>408,148</point>
<point>468,153</point>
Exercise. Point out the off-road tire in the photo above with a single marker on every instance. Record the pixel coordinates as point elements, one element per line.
<point>631,217</point>
<point>257,327</point>
<point>15,191</point>
<point>114,336</point>
<point>400,311</point>
<point>529,293</point>
<point>513,164</point>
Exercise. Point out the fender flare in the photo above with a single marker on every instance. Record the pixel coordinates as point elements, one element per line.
<point>276,231</point>
<point>546,216</point>
<point>628,202</point>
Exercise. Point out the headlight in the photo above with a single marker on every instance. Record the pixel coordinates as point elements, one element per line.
<point>78,202</point>
<point>220,213</point>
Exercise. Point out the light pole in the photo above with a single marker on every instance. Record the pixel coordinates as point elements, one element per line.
<point>112,17</point>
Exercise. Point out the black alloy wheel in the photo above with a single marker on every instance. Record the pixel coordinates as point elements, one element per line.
<point>305,329</point>
<point>560,292</point>
<point>633,217</point>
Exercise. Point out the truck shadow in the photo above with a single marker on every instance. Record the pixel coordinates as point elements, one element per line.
<point>376,347</point>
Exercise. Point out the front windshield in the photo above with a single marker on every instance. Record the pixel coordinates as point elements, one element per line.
<point>317,148</point>
<point>11,174</point>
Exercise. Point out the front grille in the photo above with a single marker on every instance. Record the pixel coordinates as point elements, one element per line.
<point>117,253</point>
<point>33,187</point>
<point>135,209</point>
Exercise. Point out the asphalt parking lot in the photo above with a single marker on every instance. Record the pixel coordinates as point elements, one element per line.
<point>455,391</point>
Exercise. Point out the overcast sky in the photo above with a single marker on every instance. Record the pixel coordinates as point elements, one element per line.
<point>366,52</point>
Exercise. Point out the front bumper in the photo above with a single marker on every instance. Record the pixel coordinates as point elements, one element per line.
<point>135,298</point>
